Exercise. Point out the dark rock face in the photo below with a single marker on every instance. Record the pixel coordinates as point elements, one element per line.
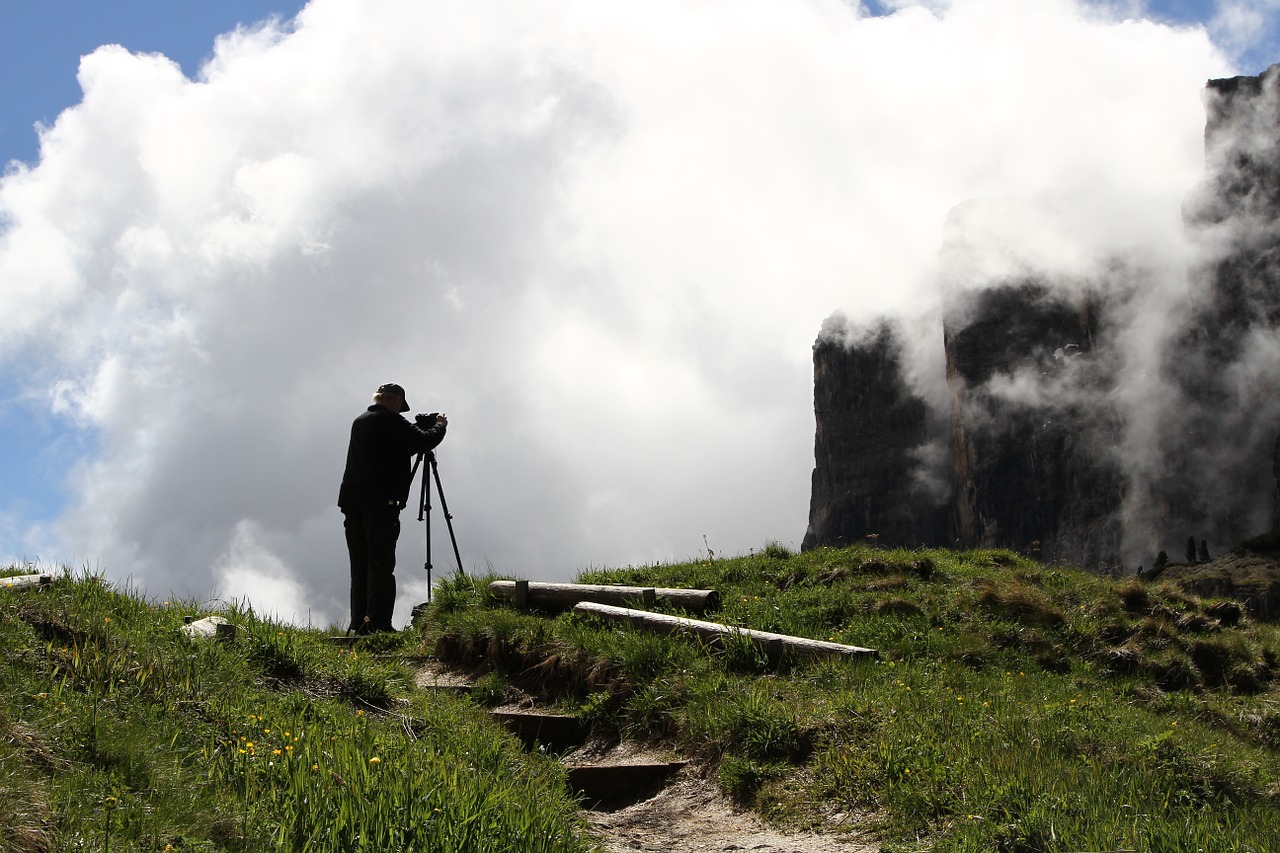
<point>1033,450</point>
<point>1040,452</point>
<point>1220,438</point>
<point>870,427</point>
<point>1275,495</point>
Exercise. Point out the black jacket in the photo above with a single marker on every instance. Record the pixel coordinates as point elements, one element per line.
<point>379,457</point>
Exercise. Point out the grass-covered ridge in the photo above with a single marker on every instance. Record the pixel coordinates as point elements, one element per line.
<point>1013,706</point>
<point>119,733</point>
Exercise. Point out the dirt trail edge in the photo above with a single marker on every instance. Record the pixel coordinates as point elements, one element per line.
<point>689,814</point>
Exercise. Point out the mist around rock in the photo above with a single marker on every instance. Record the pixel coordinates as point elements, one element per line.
<point>1099,405</point>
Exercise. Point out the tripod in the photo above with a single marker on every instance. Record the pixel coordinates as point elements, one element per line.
<point>424,511</point>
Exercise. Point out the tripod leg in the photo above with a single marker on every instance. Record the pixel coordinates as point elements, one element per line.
<point>448,519</point>
<point>424,514</point>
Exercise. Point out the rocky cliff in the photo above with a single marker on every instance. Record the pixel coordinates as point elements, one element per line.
<point>1222,364</point>
<point>1048,439</point>
<point>870,429</point>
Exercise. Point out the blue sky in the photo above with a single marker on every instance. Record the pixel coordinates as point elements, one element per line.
<point>518,116</point>
<point>41,42</point>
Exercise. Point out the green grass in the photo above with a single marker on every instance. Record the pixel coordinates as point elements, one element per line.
<point>1013,706</point>
<point>117,732</point>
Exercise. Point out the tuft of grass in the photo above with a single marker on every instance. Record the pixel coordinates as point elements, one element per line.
<point>775,550</point>
<point>742,778</point>
<point>490,689</point>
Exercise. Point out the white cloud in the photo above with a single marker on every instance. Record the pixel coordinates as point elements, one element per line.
<point>250,571</point>
<point>601,237</point>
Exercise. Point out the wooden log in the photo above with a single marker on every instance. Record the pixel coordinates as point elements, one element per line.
<point>21,581</point>
<point>563,596</point>
<point>772,643</point>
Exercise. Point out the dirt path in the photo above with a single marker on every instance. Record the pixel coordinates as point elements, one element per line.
<point>689,814</point>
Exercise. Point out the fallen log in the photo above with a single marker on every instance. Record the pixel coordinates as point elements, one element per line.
<point>20,581</point>
<point>774,644</point>
<point>563,596</point>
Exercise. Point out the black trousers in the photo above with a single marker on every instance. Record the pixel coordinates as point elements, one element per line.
<point>372,531</point>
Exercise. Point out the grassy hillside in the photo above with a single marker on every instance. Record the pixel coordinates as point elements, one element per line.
<point>119,733</point>
<point>1012,707</point>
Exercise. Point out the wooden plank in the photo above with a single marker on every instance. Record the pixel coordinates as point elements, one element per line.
<point>662,623</point>
<point>557,732</point>
<point>563,596</point>
<point>613,785</point>
<point>342,639</point>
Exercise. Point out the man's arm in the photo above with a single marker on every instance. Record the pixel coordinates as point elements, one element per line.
<point>419,438</point>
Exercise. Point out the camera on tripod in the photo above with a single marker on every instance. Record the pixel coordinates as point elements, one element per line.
<point>426,421</point>
<point>424,499</point>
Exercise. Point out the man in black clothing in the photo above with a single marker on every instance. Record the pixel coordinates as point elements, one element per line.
<point>375,487</point>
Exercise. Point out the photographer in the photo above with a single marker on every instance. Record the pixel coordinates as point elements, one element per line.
<point>375,487</point>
